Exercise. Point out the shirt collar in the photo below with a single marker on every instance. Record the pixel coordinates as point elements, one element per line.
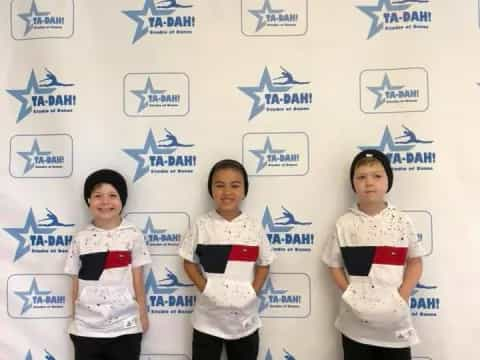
<point>216,216</point>
<point>123,225</point>
<point>356,210</point>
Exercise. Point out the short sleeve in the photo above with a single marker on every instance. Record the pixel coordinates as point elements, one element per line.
<point>188,245</point>
<point>266,254</point>
<point>140,253</point>
<point>73,263</point>
<point>331,254</point>
<point>415,244</point>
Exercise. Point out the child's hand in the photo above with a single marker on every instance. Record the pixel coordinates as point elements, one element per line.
<point>144,321</point>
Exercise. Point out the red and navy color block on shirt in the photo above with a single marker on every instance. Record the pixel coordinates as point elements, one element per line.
<point>359,259</point>
<point>93,264</point>
<point>214,258</point>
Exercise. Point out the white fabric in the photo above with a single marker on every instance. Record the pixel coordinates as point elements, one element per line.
<point>106,307</point>
<point>228,306</point>
<point>372,311</point>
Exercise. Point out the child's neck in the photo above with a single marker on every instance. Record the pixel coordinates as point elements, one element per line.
<point>107,224</point>
<point>372,209</point>
<point>229,215</point>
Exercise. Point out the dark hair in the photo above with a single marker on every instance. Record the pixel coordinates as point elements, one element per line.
<point>363,156</point>
<point>227,164</point>
<point>107,176</point>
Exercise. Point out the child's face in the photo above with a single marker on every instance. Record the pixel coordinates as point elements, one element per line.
<point>105,204</point>
<point>371,183</point>
<point>228,191</point>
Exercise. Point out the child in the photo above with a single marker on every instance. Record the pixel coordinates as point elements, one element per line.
<point>374,257</point>
<point>227,256</point>
<point>106,262</point>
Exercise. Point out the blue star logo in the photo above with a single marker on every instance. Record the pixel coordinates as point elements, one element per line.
<point>27,296</point>
<point>267,291</point>
<point>262,14</point>
<point>145,94</point>
<point>28,17</point>
<point>29,227</point>
<point>22,95</point>
<point>29,355</point>
<point>269,224</point>
<point>262,154</point>
<point>373,13</point>
<point>382,89</point>
<point>150,228</point>
<point>387,142</point>
<point>251,91</point>
<point>141,17</point>
<point>30,156</point>
<point>151,284</point>
<point>140,155</point>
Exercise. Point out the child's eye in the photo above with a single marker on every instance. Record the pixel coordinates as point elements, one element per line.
<point>113,196</point>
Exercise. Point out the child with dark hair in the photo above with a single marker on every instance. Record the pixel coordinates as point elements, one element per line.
<point>227,256</point>
<point>374,257</point>
<point>106,262</point>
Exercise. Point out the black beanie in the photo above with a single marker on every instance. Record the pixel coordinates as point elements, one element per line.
<point>228,164</point>
<point>378,155</point>
<point>106,176</point>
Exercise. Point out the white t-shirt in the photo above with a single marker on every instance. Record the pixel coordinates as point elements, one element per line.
<point>103,261</point>
<point>227,252</point>
<point>373,251</point>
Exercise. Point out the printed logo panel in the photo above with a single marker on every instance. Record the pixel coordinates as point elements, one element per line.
<point>394,90</point>
<point>156,94</point>
<point>162,230</point>
<point>274,17</point>
<point>41,156</point>
<point>39,296</point>
<point>285,295</point>
<point>276,154</point>
<point>41,19</point>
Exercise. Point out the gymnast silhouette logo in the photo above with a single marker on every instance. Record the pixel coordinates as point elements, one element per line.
<point>51,80</point>
<point>155,155</point>
<point>37,96</point>
<point>47,355</point>
<point>171,141</point>
<point>49,235</point>
<point>286,78</point>
<point>52,221</point>
<point>168,285</point>
<point>268,293</point>
<point>171,4</point>
<point>388,142</point>
<point>388,13</point>
<point>286,355</point>
<point>274,94</point>
<point>281,224</point>
<point>409,137</point>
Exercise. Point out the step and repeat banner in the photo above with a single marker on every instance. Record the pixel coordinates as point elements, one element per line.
<point>160,90</point>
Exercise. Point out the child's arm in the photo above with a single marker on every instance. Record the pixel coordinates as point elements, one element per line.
<point>138,287</point>
<point>261,273</point>
<point>194,274</point>
<point>74,293</point>
<point>413,271</point>
<point>338,275</point>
